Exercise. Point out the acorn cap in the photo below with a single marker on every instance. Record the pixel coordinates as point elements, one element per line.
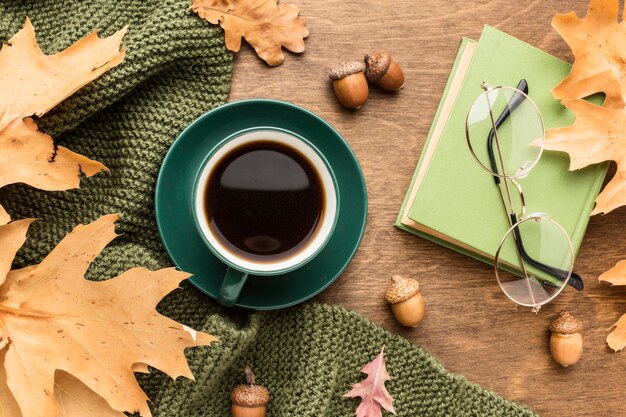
<point>345,69</point>
<point>565,323</point>
<point>376,65</point>
<point>250,394</point>
<point>401,289</point>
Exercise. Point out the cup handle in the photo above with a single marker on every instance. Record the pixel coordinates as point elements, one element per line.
<point>232,284</point>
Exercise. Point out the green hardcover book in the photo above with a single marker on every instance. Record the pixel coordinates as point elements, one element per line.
<point>452,200</point>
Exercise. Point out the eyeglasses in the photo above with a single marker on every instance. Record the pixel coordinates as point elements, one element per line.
<point>535,258</point>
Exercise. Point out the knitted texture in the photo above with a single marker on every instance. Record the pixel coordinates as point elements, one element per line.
<point>177,68</point>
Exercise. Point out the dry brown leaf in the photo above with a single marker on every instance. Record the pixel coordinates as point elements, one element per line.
<point>265,24</point>
<point>597,135</point>
<point>76,400</point>
<point>8,405</point>
<point>597,42</point>
<point>12,237</point>
<point>599,132</point>
<point>31,83</point>
<point>141,368</point>
<point>615,275</point>
<point>617,338</point>
<point>52,319</point>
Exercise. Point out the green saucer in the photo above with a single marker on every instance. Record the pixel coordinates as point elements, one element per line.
<point>183,242</point>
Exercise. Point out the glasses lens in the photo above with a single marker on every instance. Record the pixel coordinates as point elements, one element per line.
<point>515,146</point>
<point>534,261</point>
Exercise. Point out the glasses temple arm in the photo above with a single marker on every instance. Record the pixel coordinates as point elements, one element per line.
<point>514,103</point>
<point>574,280</point>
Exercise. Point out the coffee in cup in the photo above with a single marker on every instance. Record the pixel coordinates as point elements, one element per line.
<point>266,203</point>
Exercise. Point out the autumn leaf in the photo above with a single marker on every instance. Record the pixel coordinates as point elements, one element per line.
<point>12,237</point>
<point>74,398</point>
<point>597,135</point>
<point>597,42</point>
<point>265,24</point>
<point>599,132</point>
<point>616,276</point>
<point>372,390</point>
<point>31,83</point>
<point>52,320</point>
<point>617,338</point>
<point>78,400</point>
<point>8,405</point>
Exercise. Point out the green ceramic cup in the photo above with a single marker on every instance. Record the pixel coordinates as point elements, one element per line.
<point>240,267</point>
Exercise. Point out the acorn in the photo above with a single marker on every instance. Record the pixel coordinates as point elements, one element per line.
<point>349,84</point>
<point>383,71</point>
<point>566,342</point>
<point>406,301</point>
<point>249,399</point>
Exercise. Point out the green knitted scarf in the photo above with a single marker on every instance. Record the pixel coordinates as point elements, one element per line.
<point>177,68</point>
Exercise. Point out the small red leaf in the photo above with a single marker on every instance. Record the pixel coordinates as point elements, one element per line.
<point>372,390</point>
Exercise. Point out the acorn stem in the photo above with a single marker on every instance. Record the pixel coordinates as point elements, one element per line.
<point>250,377</point>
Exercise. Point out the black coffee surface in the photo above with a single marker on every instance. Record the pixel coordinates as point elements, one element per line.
<point>264,201</point>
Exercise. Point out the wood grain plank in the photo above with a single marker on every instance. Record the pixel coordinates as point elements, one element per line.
<point>470,325</point>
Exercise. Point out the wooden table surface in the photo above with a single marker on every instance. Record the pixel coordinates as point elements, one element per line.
<point>470,326</point>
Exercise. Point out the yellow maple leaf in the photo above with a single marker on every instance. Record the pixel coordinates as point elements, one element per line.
<point>597,42</point>
<point>31,83</point>
<point>597,135</point>
<point>52,319</point>
<point>266,25</point>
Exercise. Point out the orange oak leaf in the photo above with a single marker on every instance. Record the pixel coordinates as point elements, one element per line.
<point>372,390</point>
<point>78,400</point>
<point>597,42</point>
<point>31,83</point>
<point>599,132</point>
<point>53,320</point>
<point>8,405</point>
<point>12,237</point>
<point>74,398</point>
<point>265,24</point>
<point>617,338</point>
<point>615,275</point>
<point>597,135</point>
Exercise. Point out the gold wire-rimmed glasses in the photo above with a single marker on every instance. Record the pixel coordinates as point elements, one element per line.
<point>505,133</point>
